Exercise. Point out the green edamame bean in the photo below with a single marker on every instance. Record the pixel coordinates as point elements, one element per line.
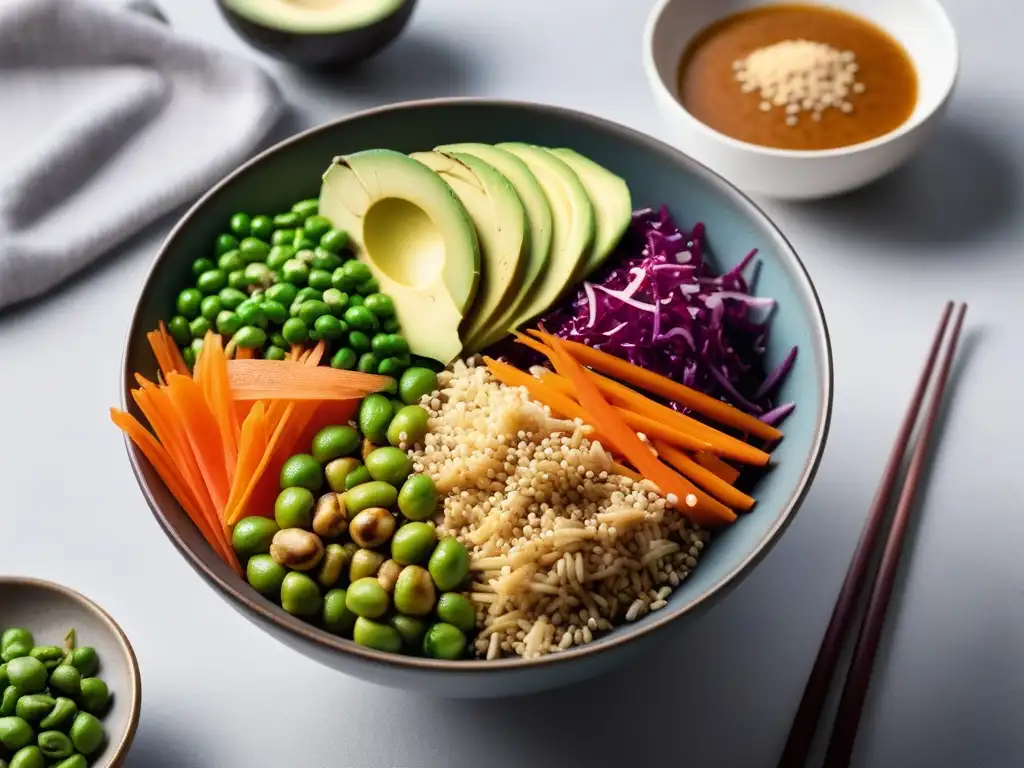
<point>55,745</point>
<point>87,733</point>
<point>212,281</point>
<point>275,312</point>
<point>15,733</point>
<point>368,363</point>
<point>340,280</point>
<point>389,325</point>
<point>307,294</point>
<point>274,353</point>
<point>282,237</point>
<point>311,309</point>
<point>75,761</point>
<point>189,301</point>
<point>375,414</point>
<point>329,327</point>
<point>237,280</point>
<point>258,274</point>
<point>303,243</point>
<point>250,312</point>
<point>365,564</point>
<point>359,342</point>
<point>225,243</point>
<point>319,279</point>
<point>410,628</point>
<point>228,323</point>
<point>48,654</point>
<point>413,543</point>
<point>18,635</point>
<point>202,265</point>
<point>306,208</point>
<point>331,443</point>
<point>337,618</point>
<point>325,260</point>
<point>232,298</point>
<point>409,425</point>
<point>189,356</point>
<point>414,591</point>
<point>449,564</point>
<point>240,224</point>
<point>265,575</point>
<point>94,695</point>
<point>34,706</point>
<point>280,255</point>
<point>380,304</point>
<point>27,674</point>
<point>295,271</point>
<point>253,249</point>
<point>295,331</point>
<point>302,471</point>
<point>9,701</point>
<point>356,271</point>
<point>355,300</point>
<point>278,340</point>
<point>283,293</point>
<point>196,346</point>
<point>389,464</point>
<point>356,477</point>
<point>415,383</point>
<point>66,679</point>
<point>391,366</point>
<point>293,509</point>
<point>178,328</point>
<point>231,261</point>
<point>334,240</point>
<point>360,318</point>
<point>316,226</point>
<point>457,610</point>
<point>374,493</point>
<point>390,344</point>
<point>85,660</point>
<point>366,597</point>
<point>252,535</point>
<point>336,301</point>
<point>261,227</point>
<point>373,634</point>
<point>338,471</point>
<point>335,561</point>
<point>368,287</point>
<point>28,757</point>
<point>199,327</point>
<point>4,679</point>
<point>61,717</point>
<point>344,359</point>
<point>443,641</point>
<point>210,308</point>
<point>287,220</point>
<point>250,337</point>
<point>300,596</point>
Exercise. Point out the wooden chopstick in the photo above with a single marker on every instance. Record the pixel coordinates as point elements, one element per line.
<point>801,734</point>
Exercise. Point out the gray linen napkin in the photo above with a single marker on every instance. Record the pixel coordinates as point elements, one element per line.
<point>109,120</point>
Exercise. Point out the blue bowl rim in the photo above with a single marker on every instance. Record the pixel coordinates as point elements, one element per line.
<point>624,633</point>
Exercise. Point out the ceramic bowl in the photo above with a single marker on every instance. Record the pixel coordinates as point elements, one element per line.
<point>921,26</point>
<point>49,610</point>
<point>656,174</point>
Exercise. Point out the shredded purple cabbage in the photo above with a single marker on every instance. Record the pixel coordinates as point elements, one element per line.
<point>659,305</point>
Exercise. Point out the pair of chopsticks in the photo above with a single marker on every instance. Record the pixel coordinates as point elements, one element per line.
<point>844,730</point>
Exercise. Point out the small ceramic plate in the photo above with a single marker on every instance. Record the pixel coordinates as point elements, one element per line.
<point>48,611</point>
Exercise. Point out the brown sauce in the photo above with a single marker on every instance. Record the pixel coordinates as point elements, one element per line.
<point>883,100</point>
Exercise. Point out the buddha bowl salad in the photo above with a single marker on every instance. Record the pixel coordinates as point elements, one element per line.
<point>345,412</point>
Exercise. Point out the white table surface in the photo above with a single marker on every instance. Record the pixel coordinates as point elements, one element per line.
<point>948,689</point>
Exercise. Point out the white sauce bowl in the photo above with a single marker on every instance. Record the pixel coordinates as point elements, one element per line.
<point>921,26</point>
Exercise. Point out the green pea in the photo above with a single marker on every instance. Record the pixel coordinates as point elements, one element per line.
<point>359,341</point>
<point>391,366</point>
<point>94,695</point>
<point>360,318</point>
<point>240,224</point>
<point>295,271</point>
<point>310,310</point>
<point>9,701</point>
<point>303,243</point>
<point>316,227</point>
<point>4,679</point>
<point>250,337</point>
<point>300,596</point>
<point>265,575</point>
<point>449,565</point>
<point>308,294</point>
<point>415,383</point>
<point>212,281</point>
<point>34,706</point>
<point>356,271</point>
<point>66,679</point>
<point>409,425</point>
<point>375,493</point>
<point>75,761</point>
<point>283,293</point>
<point>325,260</point>
<point>357,476</point>
<point>414,591</point>
<point>334,240</point>
<point>258,274</point>
<point>355,300</point>
<point>375,415</point>
<point>329,327</point>
<point>15,733</point>
<point>28,757</point>
<point>238,280</point>
<point>302,471</point>
<point>61,716</point>
<point>202,265</point>
<point>177,326</point>
<point>389,325</point>
<point>274,353</point>
<point>210,308</point>
<point>373,634</point>
<point>366,597</point>
<point>337,618</point>
<point>364,564</point>
<point>341,281</point>
<point>199,327</point>
<point>320,279</point>
<point>306,208</point>
<point>344,359</point>
<point>85,660</point>
<point>413,543</point>
<point>232,298</point>
<point>274,311</point>
<point>228,323</point>
<point>262,227</point>
<point>336,301</point>
<point>252,535</point>
<point>295,331</point>
<point>196,346</point>
<point>389,464</point>
<point>86,733</point>
<point>443,641</point>
<point>189,356</point>
<point>50,655</point>
<point>334,442</point>
<point>338,470</point>
<point>225,243</point>
<point>294,509</point>
<point>231,261</point>
<point>280,255</point>
<point>457,610</point>
<point>368,363</point>
<point>287,220</point>
<point>409,628</point>
<point>253,249</point>
<point>27,674</point>
<point>250,312</point>
<point>282,237</point>
<point>55,745</point>
<point>189,301</point>
<point>380,304</point>
<point>368,287</point>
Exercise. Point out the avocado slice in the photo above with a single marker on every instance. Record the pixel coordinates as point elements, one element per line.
<point>500,222</point>
<point>610,197</point>
<point>537,246</point>
<point>313,17</point>
<point>417,238</point>
<point>572,234</point>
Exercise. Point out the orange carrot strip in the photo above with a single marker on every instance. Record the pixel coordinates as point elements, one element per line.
<point>163,357</point>
<point>252,446</point>
<point>295,354</point>
<point>705,478</point>
<point>726,471</point>
<point>217,392</point>
<point>172,348</point>
<point>282,380</point>
<point>706,511</point>
<point>621,469</point>
<point>663,386</point>
<point>200,428</point>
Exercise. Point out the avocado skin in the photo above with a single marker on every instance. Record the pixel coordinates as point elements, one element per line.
<point>329,52</point>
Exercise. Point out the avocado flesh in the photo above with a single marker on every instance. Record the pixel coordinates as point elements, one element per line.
<point>313,17</point>
<point>572,234</point>
<point>500,223</point>
<point>537,246</point>
<point>610,197</point>
<point>418,240</point>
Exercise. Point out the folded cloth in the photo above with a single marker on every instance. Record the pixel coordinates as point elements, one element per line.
<point>109,120</point>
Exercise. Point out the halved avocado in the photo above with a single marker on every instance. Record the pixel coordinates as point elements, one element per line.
<point>537,246</point>
<point>500,222</point>
<point>408,226</point>
<point>572,227</point>
<point>610,197</point>
<point>318,33</point>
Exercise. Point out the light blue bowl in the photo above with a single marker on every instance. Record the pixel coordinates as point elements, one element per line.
<point>656,174</point>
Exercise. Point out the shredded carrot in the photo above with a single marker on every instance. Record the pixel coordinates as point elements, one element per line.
<point>724,470</point>
<point>252,445</point>
<point>706,511</point>
<point>705,478</point>
<point>217,392</point>
<point>663,386</point>
<point>172,350</point>
<point>244,353</point>
<point>621,469</point>
<point>295,354</point>
<point>282,380</point>
<point>203,436</point>
<point>163,356</point>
